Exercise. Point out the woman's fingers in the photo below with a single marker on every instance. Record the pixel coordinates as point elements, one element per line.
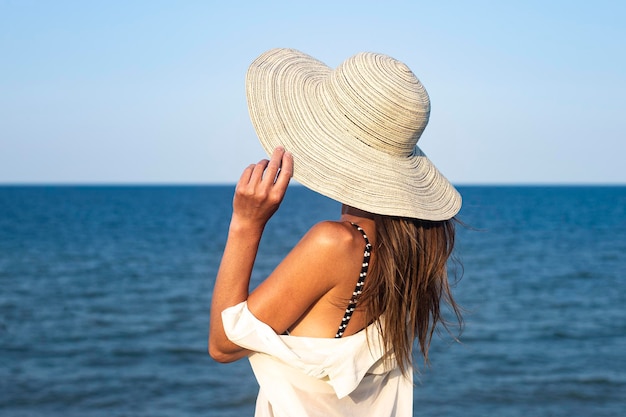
<point>265,171</point>
<point>278,173</point>
<point>262,186</point>
<point>246,174</point>
<point>286,172</point>
<point>274,166</point>
<point>258,171</point>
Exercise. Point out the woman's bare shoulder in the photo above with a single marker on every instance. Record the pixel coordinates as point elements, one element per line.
<point>334,236</point>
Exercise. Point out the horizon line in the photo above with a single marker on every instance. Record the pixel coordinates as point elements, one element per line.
<point>295,184</point>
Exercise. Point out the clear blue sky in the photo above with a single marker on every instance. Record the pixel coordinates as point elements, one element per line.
<point>153,91</point>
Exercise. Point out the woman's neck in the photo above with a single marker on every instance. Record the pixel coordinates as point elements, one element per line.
<point>355,215</point>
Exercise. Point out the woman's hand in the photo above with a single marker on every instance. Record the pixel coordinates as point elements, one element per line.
<point>261,189</point>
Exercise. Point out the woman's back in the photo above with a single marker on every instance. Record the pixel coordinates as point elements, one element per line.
<point>328,262</point>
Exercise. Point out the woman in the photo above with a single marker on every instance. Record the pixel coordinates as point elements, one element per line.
<point>330,331</point>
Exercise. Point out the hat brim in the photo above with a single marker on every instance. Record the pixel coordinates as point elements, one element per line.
<point>286,101</point>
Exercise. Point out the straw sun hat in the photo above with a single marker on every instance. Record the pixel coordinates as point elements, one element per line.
<point>353,131</point>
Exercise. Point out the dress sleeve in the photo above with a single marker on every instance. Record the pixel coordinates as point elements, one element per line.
<point>244,329</point>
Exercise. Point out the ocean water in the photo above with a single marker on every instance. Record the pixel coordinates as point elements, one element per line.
<point>105,295</point>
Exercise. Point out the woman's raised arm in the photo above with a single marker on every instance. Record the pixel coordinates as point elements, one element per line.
<point>258,195</point>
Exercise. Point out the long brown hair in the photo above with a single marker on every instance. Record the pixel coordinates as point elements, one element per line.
<point>408,282</point>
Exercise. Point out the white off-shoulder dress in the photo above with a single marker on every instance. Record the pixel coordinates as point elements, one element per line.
<point>319,377</point>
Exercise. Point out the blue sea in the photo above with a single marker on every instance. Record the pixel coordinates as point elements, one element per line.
<point>105,295</point>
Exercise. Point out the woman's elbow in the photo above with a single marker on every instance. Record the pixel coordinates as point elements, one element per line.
<point>219,356</point>
<point>224,356</point>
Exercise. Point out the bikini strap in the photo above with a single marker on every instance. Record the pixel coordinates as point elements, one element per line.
<point>359,285</point>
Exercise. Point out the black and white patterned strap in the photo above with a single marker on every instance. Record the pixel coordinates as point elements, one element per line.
<point>359,285</point>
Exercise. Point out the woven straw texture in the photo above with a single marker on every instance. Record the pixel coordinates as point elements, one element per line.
<point>353,131</point>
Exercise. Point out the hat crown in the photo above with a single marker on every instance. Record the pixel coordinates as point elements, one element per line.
<point>379,101</point>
